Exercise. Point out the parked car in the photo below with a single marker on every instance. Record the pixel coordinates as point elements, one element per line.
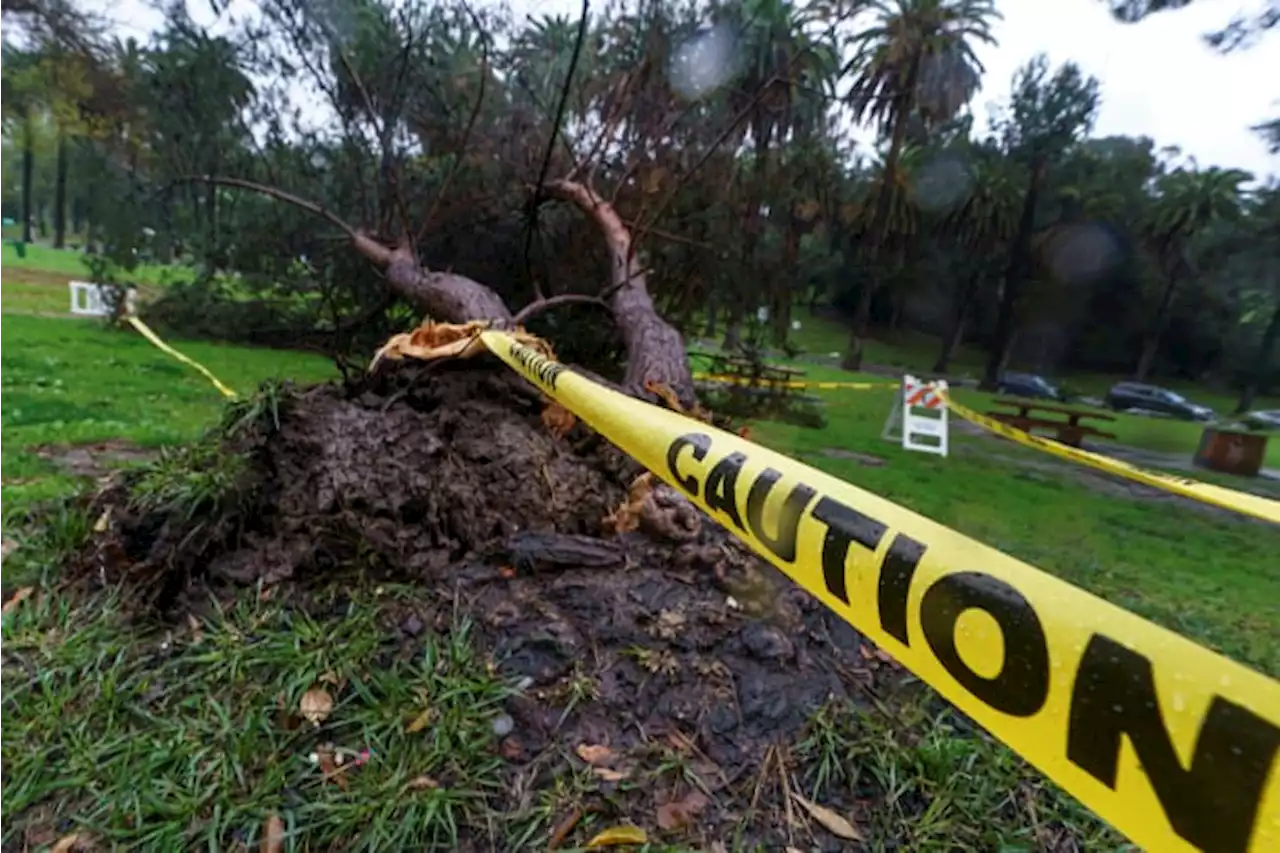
<point>1028,385</point>
<point>1151,398</point>
<point>1267,419</point>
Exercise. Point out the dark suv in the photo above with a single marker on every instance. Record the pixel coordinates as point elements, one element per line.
<point>1028,385</point>
<point>1135,395</point>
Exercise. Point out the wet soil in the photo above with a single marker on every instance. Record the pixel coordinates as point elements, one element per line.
<point>668,637</point>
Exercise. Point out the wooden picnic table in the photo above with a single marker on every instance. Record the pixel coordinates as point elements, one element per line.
<point>1069,432</point>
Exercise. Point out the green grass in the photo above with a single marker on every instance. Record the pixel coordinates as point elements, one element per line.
<point>70,262</point>
<point>76,381</point>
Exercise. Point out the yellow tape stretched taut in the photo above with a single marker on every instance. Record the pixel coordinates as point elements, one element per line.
<point>1255,505</point>
<point>155,339</point>
<point>1173,744</point>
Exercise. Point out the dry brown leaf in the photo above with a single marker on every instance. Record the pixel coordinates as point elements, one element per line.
<point>595,754</point>
<point>626,517</point>
<point>420,722</point>
<point>608,774</point>
<point>272,835</point>
<point>7,548</point>
<point>316,705</point>
<point>558,420</point>
<point>664,393</point>
<point>421,783</point>
<point>680,813</point>
<point>103,522</point>
<point>617,835</point>
<point>830,821</point>
<point>20,595</point>
<point>69,843</point>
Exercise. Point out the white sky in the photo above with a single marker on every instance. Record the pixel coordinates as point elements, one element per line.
<point>1158,77</point>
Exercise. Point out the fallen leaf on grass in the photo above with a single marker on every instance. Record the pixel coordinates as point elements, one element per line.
<point>419,723</point>
<point>103,522</point>
<point>608,774</point>
<point>680,813</point>
<point>70,843</point>
<point>595,754</point>
<point>421,783</point>
<point>316,705</point>
<point>618,835</point>
<point>830,821</point>
<point>7,548</point>
<point>272,835</point>
<point>563,828</point>
<point>19,596</point>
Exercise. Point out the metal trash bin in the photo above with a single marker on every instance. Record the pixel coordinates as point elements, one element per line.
<point>1231,451</point>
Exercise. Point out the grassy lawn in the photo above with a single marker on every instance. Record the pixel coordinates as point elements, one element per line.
<point>70,264</point>
<point>163,737</point>
<point>75,381</point>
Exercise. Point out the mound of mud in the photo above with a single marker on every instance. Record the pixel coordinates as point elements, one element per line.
<point>448,479</point>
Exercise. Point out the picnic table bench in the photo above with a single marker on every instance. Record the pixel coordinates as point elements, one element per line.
<point>1069,432</point>
<point>749,387</point>
<point>750,371</point>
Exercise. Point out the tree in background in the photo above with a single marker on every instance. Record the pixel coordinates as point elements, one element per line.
<point>915,48</point>
<point>1046,116</point>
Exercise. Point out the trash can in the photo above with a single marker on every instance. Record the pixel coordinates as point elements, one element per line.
<point>20,248</point>
<point>1231,451</point>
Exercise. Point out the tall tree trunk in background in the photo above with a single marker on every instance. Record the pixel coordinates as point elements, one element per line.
<point>753,226</point>
<point>709,331</point>
<point>1151,340</point>
<point>959,319</point>
<point>862,319</point>
<point>1018,271</point>
<point>60,195</point>
<point>1262,364</point>
<point>28,176</point>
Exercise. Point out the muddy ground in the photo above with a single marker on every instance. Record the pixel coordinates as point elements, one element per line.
<point>448,479</point>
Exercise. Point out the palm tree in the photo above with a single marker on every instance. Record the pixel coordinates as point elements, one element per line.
<point>1188,201</point>
<point>786,79</point>
<point>916,60</point>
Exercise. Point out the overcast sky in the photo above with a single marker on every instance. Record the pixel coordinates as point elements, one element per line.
<point>1158,77</point>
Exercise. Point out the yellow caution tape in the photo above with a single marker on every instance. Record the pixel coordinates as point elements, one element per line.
<point>793,383</point>
<point>146,332</point>
<point>1242,502</point>
<point>1173,744</point>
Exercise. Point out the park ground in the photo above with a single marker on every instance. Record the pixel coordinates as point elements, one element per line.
<point>208,711</point>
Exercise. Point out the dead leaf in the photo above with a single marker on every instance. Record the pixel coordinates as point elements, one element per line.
<point>608,774</point>
<point>558,420</point>
<point>316,705</point>
<point>618,835</point>
<point>794,850</point>
<point>20,595</point>
<point>421,783</point>
<point>103,522</point>
<point>595,754</point>
<point>197,630</point>
<point>69,843</point>
<point>563,828</point>
<point>420,722</point>
<point>680,813</point>
<point>272,835</point>
<point>506,572</point>
<point>830,821</point>
<point>8,547</point>
<point>626,517</point>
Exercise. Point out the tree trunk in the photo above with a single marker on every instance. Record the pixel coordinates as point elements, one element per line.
<point>60,196</point>
<point>1151,341</point>
<point>1015,274</point>
<point>959,319</point>
<point>655,349</point>
<point>1261,365</point>
<point>862,319</point>
<point>709,331</point>
<point>28,177</point>
<point>733,326</point>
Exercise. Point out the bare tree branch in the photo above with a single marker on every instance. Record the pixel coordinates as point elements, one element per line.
<point>536,199</point>
<point>533,309</point>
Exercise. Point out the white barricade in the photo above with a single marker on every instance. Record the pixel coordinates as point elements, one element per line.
<point>93,300</point>
<point>920,410</point>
